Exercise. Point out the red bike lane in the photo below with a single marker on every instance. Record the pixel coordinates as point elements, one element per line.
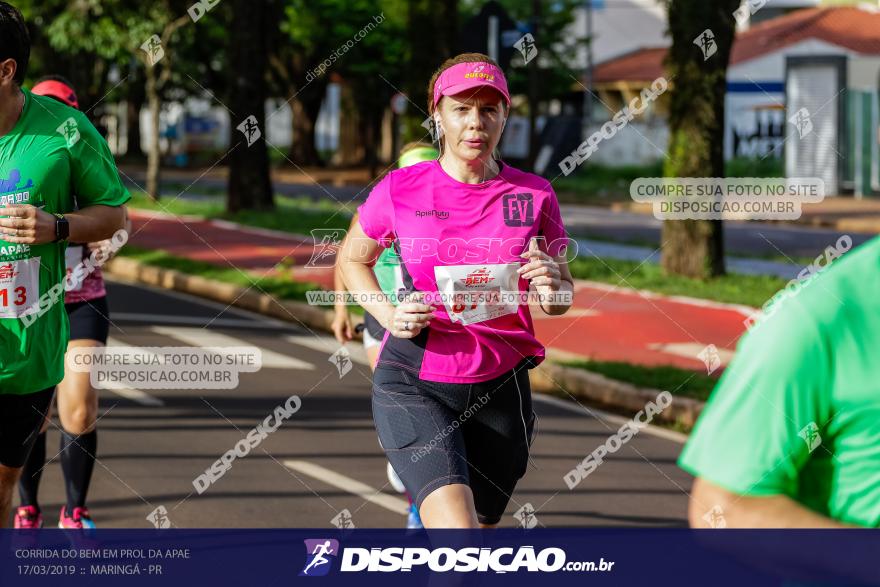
<point>606,323</point>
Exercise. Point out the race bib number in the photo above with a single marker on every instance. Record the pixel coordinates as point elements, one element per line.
<point>19,287</point>
<point>476,293</point>
<point>72,258</point>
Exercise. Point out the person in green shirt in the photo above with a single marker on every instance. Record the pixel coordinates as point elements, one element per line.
<point>390,278</point>
<point>791,435</point>
<point>48,152</point>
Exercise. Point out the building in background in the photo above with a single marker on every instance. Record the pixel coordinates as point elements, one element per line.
<point>802,87</point>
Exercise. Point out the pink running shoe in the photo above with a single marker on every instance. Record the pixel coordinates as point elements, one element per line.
<point>80,520</point>
<point>28,518</point>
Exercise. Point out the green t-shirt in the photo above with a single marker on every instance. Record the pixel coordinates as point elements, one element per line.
<point>388,273</point>
<point>807,376</point>
<point>52,153</point>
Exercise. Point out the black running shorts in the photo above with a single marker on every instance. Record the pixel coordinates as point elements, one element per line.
<point>437,434</point>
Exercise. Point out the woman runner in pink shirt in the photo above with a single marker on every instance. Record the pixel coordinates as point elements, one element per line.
<point>451,397</point>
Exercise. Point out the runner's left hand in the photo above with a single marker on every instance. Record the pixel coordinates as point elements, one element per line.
<point>541,271</point>
<point>26,224</point>
<point>104,247</point>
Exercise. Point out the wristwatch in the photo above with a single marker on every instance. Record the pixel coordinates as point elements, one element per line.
<point>62,228</point>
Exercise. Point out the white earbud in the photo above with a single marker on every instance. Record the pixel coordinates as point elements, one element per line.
<point>438,127</point>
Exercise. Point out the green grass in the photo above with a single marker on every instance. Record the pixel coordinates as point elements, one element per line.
<point>751,290</point>
<point>793,260</point>
<point>283,288</point>
<point>748,167</point>
<point>295,215</point>
<point>665,378</point>
<point>601,184</point>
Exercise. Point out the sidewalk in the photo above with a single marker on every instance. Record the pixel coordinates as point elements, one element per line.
<point>606,323</point>
<point>843,213</point>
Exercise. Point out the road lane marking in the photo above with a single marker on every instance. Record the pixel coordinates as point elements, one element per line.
<point>194,321</point>
<point>589,412</point>
<point>690,350</point>
<point>202,337</point>
<point>329,345</point>
<point>135,395</point>
<point>395,504</point>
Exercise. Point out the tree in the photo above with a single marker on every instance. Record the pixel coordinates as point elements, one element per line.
<point>432,29</point>
<point>359,40</point>
<point>695,248</point>
<point>113,31</point>
<point>250,184</point>
<point>157,74</point>
<point>553,70</point>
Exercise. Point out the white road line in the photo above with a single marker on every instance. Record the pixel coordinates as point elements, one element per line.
<point>135,395</point>
<point>586,284</point>
<point>222,308</point>
<point>689,350</point>
<point>191,320</point>
<point>329,345</point>
<point>202,337</point>
<point>362,490</point>
<point>613,418</point>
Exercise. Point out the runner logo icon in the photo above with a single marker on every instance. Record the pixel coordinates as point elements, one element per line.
<point>318,553</point>
<point>518,210</point>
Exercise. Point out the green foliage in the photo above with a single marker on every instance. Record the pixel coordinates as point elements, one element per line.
<point>293,215</point>
<point>602,184</point>
<point>751,290</point>
<point>664,377</point>
<point>282,287</point>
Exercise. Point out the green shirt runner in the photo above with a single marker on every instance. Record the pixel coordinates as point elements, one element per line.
<point>387,267</point>
<point>797,413</point>
<point>52,153</point>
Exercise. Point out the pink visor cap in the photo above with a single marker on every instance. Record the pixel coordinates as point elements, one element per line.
<point>467,76</point>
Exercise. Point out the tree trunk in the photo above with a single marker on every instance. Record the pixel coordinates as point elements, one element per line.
<point>154,154</point>
<point>534,73</point>
<point>133,132</point>
<point>305,110</point>
<point>250,184</point>
<point>695,248</point>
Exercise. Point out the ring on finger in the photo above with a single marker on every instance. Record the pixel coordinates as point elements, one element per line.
<point>406,325</point>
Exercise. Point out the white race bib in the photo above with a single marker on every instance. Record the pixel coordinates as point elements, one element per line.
<point>476,293</point>
<point>19,287</point>
<point>72,258</point>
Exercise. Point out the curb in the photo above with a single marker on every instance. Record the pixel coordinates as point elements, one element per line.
<point>853,222</point>
<point>226,293</point>
<point>593,387</point>
<point>546,378</point>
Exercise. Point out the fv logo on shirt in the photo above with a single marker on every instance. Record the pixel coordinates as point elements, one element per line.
<point>519,210</point>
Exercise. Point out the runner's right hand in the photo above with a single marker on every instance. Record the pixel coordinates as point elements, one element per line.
<point>341,326</point>
<point>413,313</point>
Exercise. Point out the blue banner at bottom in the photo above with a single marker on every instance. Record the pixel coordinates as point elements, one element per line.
<point>274,558</point>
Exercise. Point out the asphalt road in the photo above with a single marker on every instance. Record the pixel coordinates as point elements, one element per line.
<point>746,239</point>
<point>325,458</point>
<point>752,239</point>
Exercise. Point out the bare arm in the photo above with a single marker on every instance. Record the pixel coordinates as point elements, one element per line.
<point>355,262</point>
<point>358,254</point>
<point>551,278</point>
<point>26,224</point>
<point>740,511</point>
<point>95,223</point>
<point>341,325</point>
